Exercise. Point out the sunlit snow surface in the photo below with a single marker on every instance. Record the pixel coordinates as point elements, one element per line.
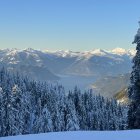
<point>81,135</point>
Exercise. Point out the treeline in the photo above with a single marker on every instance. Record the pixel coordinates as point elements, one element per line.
<point>28,107</point>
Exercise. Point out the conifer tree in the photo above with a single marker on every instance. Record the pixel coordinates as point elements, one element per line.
<point>72,122</point>
<point>46,121</point>
<point>16,111</point>
<point>134,88</point>
<point>2,113</point>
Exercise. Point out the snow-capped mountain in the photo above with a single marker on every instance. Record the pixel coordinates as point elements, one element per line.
<point>101,62</point>
<point>80,63</point>
<point>28,62</point>
<point>47,65</point>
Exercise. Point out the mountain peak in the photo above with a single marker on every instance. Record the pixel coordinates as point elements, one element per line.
<point>119,51</point>
<point>98,52</point>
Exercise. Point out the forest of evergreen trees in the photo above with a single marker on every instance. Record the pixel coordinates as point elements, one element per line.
<point>28,107</point>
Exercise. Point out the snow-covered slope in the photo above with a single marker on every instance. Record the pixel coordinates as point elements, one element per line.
<point>92,135</point>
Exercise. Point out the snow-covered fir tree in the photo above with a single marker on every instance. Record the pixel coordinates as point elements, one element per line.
<point>72,122</point>
<point>2,113</point>
<point>134,88</point>
<point>46,121</point>
<point>16,111</point>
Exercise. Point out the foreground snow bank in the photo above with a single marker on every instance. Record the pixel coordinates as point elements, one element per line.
<point>81,135</point>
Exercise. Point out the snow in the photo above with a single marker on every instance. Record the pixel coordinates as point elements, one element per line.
<point>119,51</point>
<point>65,53</point>
<point>96,52</point>
<point>12,53</point>
<point>81,135</point>
<point>132,52</point>
<point>99,52</point>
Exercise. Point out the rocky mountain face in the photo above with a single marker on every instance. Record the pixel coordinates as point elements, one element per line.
<point>111,85</point>
<point>122,96</point>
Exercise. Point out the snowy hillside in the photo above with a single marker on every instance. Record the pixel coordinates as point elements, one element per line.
<point>115,135</point>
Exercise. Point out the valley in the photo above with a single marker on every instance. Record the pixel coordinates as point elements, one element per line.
<point>106,72</point>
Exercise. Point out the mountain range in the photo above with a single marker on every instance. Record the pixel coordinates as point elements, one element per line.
<point>62,65</point>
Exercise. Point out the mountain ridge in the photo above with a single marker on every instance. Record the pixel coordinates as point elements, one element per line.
<point>65,66</point>
<point>93,62</point>
<point>119,51</point>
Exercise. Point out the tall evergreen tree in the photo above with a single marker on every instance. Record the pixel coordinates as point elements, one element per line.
<point>134,88</point>
<point>16,111</point>
<point>46,121</point>
<point>2,113</point>
<point>72,123</point>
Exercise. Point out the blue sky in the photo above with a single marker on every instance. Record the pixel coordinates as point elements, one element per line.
<point>68,24</point>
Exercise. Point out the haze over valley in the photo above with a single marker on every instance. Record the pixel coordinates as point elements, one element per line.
<point>94,69</point>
